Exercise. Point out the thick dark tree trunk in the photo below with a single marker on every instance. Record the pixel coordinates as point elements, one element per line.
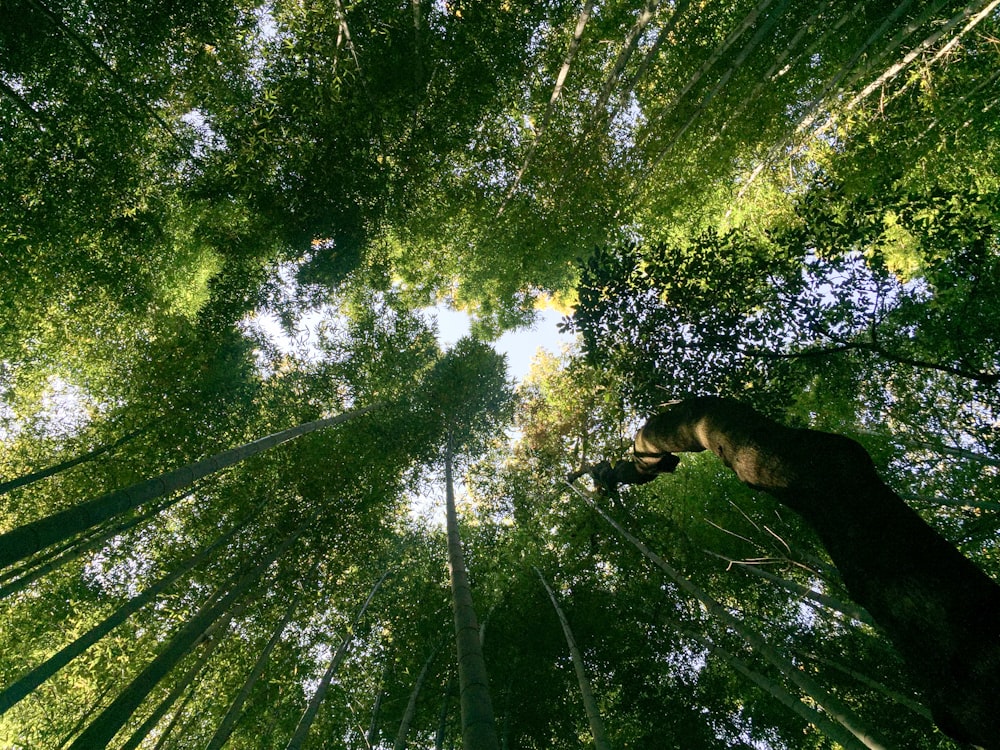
<point>940,611</point>
<point>857,733</point>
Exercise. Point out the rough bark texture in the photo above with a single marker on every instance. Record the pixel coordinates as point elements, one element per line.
<point>940,611</point>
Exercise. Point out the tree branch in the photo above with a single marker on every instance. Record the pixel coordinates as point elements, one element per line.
<point>988,378</point>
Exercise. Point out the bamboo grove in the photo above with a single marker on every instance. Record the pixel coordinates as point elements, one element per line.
<point>249,499</point>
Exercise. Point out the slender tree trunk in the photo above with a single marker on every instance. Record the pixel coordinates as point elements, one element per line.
<point>574,45</point>
<point>39,120</point>
<point>15,692</point>
<point>664,33</point>
<point>123,87</point>
<point>988,378</point>
<point>935,446</point>
<point>776,690</point>
<point>940,611</point>
<point>831,705</point>
<point>210,641</point>
<point>35,476</point>
<point>848,609</point>
<point>779,61</point>
<point>32,561</point>
<point>837,85</point>
<point>479,730</point>
<point>976,11</point>
<point>624,55</point>
<point>373,729</point>
<point>28,539</point>
<point>750,20</point>
<point>309,715</point>
<point>589,703</point>
<point>102,730</point>
<point>168,731</point>
<point>78,725</point>
<point>894,695</point>
<point>83,546</point>
<point>442,726</point>
<point>228,724</point>
<point>411,704</point>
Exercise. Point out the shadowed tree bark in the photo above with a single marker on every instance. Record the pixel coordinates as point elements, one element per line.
<point>940,611</point>
<point>54,557</point>
<point>854,732</point>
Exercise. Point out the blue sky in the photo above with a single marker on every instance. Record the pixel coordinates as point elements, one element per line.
<point>520,346</point>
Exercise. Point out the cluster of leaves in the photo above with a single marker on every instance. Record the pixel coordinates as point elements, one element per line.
<point>663,669</point>
<point>336,496</point>
<point>751,317</point>
<point>168,168</point>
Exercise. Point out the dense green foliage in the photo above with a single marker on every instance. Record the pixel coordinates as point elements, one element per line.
<point>794,203</point>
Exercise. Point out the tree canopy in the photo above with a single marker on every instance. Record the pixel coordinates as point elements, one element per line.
<point>222,223</point>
